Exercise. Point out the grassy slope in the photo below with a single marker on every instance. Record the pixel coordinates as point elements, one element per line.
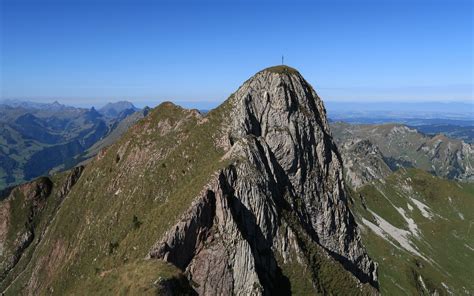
<point>95,231</point>
<point>445,239</point>
<point>140,277</point>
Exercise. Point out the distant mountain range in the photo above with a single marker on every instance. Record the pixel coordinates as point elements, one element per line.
<point>118,109</point>
<point>55,106</point>
<point>35,138</point>
<point>454,119</point>
<point>374,151</point>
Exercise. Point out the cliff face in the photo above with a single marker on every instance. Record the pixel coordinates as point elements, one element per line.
<point>363,162</point>
<point>282,191</point>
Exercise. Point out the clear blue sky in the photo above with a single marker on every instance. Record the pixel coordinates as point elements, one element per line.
<point>91,52</point>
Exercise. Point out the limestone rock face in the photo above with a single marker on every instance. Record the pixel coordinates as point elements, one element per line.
<point>363,162</point>
<point>281,194</point>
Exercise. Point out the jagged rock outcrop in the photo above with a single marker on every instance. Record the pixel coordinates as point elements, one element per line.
<point>34,195</point>
<point>363,162</point>
<point>281,195</point>
<point>20,213</point>
<point>71,180</point>
<point>189,234</point>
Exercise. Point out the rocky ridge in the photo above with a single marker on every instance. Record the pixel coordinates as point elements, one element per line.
<point>248,199</point>
<point>285,177</point>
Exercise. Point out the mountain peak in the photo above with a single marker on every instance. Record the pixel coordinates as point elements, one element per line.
<point>282,100</point>
<point>281,69</point>
<point>283,185</point>
<point>117,108</point>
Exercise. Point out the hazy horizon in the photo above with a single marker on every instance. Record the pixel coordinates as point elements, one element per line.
<point>334,108</point>
<point>330,95</point>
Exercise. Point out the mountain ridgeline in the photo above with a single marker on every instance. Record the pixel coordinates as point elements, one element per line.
<point>374,151</point>
<point>248,199</point>
<point>36,139</point>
